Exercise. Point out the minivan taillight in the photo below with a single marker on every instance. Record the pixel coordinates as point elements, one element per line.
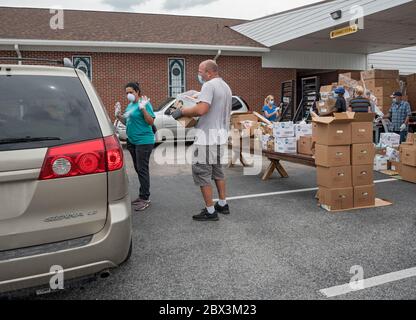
<point>83,158</point>
<point>114,153</point>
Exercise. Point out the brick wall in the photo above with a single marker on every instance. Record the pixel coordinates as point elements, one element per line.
<point>111,71</point>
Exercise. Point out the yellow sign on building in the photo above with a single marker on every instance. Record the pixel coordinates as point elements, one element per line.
<point>344,31</point>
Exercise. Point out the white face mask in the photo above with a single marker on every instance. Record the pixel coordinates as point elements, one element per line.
<point>200,79</point>
<point>131,97</point>
<point>271,101</point>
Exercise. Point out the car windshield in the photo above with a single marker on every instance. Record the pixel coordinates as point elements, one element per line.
<point>163,104</point>
<point>44,111</point>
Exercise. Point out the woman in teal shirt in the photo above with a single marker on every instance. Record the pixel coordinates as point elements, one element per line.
<point>139,119</point>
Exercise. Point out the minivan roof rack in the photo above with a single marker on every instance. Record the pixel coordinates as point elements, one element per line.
<point>66,62</point>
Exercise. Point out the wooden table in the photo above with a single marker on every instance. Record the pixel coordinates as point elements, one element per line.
<point>274,158</point>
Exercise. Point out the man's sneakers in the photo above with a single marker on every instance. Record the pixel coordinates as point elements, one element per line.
<point>206,216</point>
<point>222,210</point>
<point>141,205</point>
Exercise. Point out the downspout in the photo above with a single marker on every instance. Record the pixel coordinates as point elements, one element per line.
<point>19,54</point>
<point>218,55</point>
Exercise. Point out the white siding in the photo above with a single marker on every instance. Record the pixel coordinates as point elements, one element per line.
<point>402,59</point>
<point>314,60</point>
<point>283,27</point>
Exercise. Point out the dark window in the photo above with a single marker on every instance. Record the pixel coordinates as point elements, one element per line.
<point>45,106</point>
<point>176,77</point>
<point>236,104</point>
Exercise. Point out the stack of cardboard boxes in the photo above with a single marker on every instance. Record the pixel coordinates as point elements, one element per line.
<point>382,83</point>
<point>407,167</point>
<point>285,139</point>
<point>344,156</point>
<point>411,90</point>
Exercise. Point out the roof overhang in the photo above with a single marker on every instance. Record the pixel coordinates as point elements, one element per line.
<point>112,46</point>
<point>388,25</point>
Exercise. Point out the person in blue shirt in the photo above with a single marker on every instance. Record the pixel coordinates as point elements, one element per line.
<point>139,119</point>
<point>270,111</point>
<point>399,114</point>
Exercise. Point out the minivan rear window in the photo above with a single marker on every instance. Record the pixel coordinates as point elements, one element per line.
<point>44,111</point>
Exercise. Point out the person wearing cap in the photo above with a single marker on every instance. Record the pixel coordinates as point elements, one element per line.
<point>399,115</point>
<point>359,103</point>
<point>341,104</point>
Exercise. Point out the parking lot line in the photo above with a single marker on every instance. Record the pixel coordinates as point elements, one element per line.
<point>368,283</point>
<point>268,194</point>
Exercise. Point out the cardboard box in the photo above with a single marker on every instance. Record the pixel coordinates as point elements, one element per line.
<point>186,100</point>
<point>362,154</point>
<point>364,196</point>
<point>408,155</point>
<point>372,84</point>
<point>390,139</point>
<point>380,163</point>
<point>332,156</point>
<point>385,101</point>
<point>355,75</point>
<point>284,129</point>
<point>411,138</point>
<point>408,173</point>
<point>395,166</point>
<point>237,118</point>
<point>380,74</point>
<point>335,130</point>
<point>327,89</point>
<point>362,175</point>
<point>314,131</point>
<point>411,78</point>
<point>336,199</point>
<point>386,91</point>
<point>334,177</point>
<point>187,122</point>
<point>262,118</point>
<point>326,107</point>
<point>305,145</point>
<point>285,145</point>
<point>362,132</point>
<point>302,130</point>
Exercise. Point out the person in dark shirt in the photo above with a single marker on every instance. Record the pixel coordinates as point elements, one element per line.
<point>359,103</point>
<point>341,104</point>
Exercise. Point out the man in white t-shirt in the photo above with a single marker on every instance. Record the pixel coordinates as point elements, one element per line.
<point>213,110</point>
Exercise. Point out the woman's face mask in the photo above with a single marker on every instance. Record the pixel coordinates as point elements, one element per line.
<point>131,97</point>
<point>271,102</point>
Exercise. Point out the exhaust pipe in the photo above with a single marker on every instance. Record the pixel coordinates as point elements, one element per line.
<point>105,274</point>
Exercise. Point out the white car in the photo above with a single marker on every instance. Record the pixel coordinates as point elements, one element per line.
<point>165,123</point>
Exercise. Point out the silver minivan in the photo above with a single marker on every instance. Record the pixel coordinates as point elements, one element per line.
<point>64,196</point>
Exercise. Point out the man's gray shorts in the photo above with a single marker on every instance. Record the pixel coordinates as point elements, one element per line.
<point>207,164</point>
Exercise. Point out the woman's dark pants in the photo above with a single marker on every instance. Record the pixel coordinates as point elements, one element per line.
<point>141,157</point>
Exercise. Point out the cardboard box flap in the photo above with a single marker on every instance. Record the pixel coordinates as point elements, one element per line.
<point>345,117</point>
<point>261,118</point>
<point>336,118</point>
<point>364,117</point>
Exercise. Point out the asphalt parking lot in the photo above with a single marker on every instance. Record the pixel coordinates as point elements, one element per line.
<point>270,247</point>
